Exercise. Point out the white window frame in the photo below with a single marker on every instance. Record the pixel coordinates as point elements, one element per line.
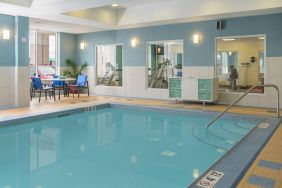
<point>147,62</point>
<point>96,66</point>
<point>240,36</point>
<point>58,63</point>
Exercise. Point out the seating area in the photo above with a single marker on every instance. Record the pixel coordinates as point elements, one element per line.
<point>55,86</point>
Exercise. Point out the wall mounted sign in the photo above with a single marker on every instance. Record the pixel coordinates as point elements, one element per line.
<point>263,125</point>
<point>253,59</point>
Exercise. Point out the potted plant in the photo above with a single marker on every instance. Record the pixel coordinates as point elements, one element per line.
<point>74,69</point>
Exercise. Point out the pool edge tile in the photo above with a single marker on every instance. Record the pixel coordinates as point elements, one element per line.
<point>261,181</point>
<point>270,165</point>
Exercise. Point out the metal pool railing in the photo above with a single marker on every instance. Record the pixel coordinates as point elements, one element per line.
<point>241,97</point>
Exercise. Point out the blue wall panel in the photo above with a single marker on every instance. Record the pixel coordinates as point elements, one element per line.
<point>7,47</point>
<point>202,54</point>
<point>67,47</point>
<point>22,48</point>
<point>88,54</point>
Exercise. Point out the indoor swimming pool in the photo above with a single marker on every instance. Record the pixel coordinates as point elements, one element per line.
<point>117,146</point>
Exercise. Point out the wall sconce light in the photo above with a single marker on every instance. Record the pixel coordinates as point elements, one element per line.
<point>82,45</point>
<point>196,39</point>
<point>159,50</point>
<point>6,34</point>
<point>134,42</point>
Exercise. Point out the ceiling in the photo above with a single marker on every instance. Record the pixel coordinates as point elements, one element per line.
<point>81,16</point>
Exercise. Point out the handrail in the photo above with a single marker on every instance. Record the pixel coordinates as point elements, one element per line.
<point>247,92</point>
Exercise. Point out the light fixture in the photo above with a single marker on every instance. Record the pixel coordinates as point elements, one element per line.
<point>6,34</point>
<point>228,39</point>
<point>134,42</point>
<point>159,50</point>
<point>115,5</point>
<point>230,53</point>
<point>196,38</point>
<point>261,38</point>
<point>82,45</point>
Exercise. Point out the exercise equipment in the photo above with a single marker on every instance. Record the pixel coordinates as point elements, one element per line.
<point>160,79</point>
<point>109,75</point>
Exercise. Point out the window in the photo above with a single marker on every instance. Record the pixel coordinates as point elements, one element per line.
<point>52,49</point>
<point>164,60</point>
<point>240,63</point>
<point>109,65</point>
<point>42,54</point>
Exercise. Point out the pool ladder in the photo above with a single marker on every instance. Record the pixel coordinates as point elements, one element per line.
<point>241,97</point>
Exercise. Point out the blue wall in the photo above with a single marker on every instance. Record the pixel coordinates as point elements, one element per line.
<point>22,48</point>
<point>92,39</point>
<point>67,46</point>
<point>13,51</point>
<point>7,47</point>
<point>202,54</point>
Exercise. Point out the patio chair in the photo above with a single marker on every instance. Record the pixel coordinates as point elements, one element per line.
<point>60,85</point>
<point>81,83</point>
<point>37,86</point>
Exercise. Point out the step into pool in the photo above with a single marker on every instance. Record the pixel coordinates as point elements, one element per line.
<point>116,146</point>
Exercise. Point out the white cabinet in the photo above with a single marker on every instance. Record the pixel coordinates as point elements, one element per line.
<point>189,89</point>
<point>194,89</point>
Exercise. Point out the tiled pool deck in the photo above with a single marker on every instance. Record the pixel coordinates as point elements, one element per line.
<point>266,171</point>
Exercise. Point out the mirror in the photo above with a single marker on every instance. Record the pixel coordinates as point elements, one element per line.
<point>164,60</point>
<point>240,63</point>
<point>109,65</point>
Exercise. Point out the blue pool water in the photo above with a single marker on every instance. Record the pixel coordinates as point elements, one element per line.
<point>115,147</point>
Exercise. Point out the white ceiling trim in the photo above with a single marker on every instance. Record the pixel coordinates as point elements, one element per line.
<point>181,9</point>
<point>138,13</point>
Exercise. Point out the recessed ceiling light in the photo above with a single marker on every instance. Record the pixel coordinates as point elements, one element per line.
<point>230,39</point>
<point>115,5</point>
<point>261,38</point>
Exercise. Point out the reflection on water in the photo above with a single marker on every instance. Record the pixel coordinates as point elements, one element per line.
<point>44,146</point>
<point>109,148</point>
<point>107,128</point>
